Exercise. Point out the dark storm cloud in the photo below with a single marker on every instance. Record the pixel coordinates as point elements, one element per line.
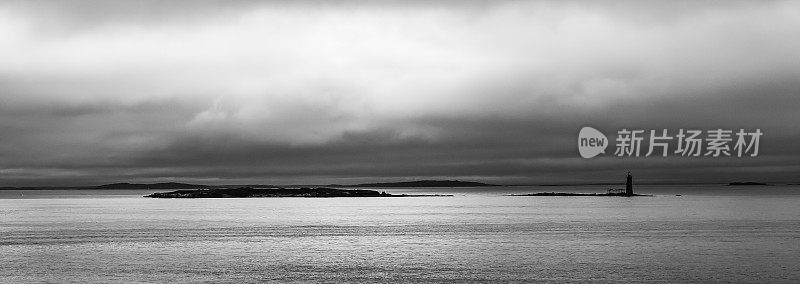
<point>302,92</point>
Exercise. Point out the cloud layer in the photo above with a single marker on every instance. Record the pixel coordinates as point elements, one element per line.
<point>227,92</point>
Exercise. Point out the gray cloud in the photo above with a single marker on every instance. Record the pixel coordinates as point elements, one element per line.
<point>252,91</point>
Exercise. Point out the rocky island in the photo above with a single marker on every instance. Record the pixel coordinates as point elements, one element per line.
<point>245,192</point>
<point>627,192</point>
<point>579,194</point>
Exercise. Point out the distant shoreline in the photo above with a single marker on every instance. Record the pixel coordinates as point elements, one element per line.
<point>410,184</point>
<point>177,185</point>
<point>421,183</point>
<point>248,192</point>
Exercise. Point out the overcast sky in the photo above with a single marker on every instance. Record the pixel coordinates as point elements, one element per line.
<point>222,92</point>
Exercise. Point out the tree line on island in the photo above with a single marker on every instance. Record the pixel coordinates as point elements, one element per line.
<point>271,191</point>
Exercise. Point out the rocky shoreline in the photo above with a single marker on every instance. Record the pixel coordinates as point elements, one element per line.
<point>248,192</point>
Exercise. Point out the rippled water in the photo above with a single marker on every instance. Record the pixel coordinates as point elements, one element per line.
<point>710,234</point>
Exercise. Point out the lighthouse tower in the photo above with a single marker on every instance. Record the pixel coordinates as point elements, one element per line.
<point>629,185</point>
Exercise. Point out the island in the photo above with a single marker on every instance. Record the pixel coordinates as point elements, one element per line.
<point>627,192</point>
<point>247,192</point>
<point>579,194</point>
<point>424,183</point>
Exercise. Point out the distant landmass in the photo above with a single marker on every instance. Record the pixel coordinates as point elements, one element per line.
<point>748,183</point>
<point>162,185</point>
<point>424,183</point>
<point>178,185</point>
<point>246,192</point>
<point>409,184</point>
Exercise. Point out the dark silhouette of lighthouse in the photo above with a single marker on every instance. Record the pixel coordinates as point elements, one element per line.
<point>629,185</point>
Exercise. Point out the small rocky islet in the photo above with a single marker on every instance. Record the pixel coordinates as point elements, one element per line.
<point>627,192</point>
<point>579,194</point>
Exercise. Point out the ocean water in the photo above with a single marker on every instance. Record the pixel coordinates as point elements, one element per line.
<point>709,234</point>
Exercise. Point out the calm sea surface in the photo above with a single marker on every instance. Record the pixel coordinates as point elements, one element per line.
<point>709,234</point>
